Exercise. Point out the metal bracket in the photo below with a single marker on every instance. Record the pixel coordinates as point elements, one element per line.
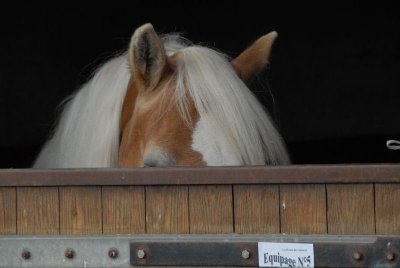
<point>194,254</point>
<point>329,251</point>
<point>189,250</point>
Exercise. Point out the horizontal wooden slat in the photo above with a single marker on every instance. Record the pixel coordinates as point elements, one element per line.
<point>296,174</point>
<point>303,209</point>
<point>350,209</point>
<point>211,206</point>
<point>167,209</point>
<point>38,210</point>
<point>123,209</point>
<point>256,209</point>
<point>80,210</point>
<point>8,211</point>
<point>210,209</point>
<point>387,208</point>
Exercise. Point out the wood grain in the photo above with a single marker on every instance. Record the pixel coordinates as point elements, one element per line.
<point>256,208</point>
<point>38,210</point>
<point>123,209</point>
<point>167,209</point>
<point>211,209</point>
<point>309,174</point>
<point>387,208</point>
<point>351,209</point>
<point>303,209</point>
<point>8,211</point>
<point>80,210</point>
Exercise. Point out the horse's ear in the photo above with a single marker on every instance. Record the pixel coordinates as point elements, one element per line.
<point>147,57</point>
<point>254,59</point>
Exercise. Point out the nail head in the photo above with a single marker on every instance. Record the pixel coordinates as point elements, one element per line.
<point>69,253</point>
<point>26,254</point>
<point>141,254</point>
<point>113,253</point>
<point>390,256</point>
<point>357,255</point>
<point>245,254</point>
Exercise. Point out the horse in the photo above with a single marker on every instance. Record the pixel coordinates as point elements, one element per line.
<point>167,102</point>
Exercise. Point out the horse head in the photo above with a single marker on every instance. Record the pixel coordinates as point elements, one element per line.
<point>188,105</point>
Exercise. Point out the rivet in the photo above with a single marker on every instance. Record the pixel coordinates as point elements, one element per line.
<point>245,254</point>
<point>26,254</point>
<point>141,254</point>
<point>390,256</point>
<point>357,255</point>
<point>113,253</point>
<point>69,253</point>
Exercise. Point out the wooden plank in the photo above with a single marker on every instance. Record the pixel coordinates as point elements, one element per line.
<point>256,208</point>
<point>80,210</point>
<point>210,209</point>
<point>303,209</point>
<point>38,210</point>
<point>8,211</point>
<point>123,209</point>
<point>167,209</point>
<point>292,174</point>
<point>387,209</point>
<point>351,209</point>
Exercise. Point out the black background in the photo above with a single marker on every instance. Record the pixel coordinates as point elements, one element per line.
<point>334,73</point>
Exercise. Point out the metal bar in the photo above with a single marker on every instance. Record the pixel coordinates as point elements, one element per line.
<point>194,254</point>
<point>216,250</point>
<point>381,252</point>
<point>297,174</point>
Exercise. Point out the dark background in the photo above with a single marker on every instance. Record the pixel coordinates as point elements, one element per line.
<point>334,73</point>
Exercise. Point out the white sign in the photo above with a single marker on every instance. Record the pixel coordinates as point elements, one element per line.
<point>285,254</point>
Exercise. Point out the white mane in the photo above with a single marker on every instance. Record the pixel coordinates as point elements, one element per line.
<point>226,105</point>
<point>87,134</point>
<point>88,131</point>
